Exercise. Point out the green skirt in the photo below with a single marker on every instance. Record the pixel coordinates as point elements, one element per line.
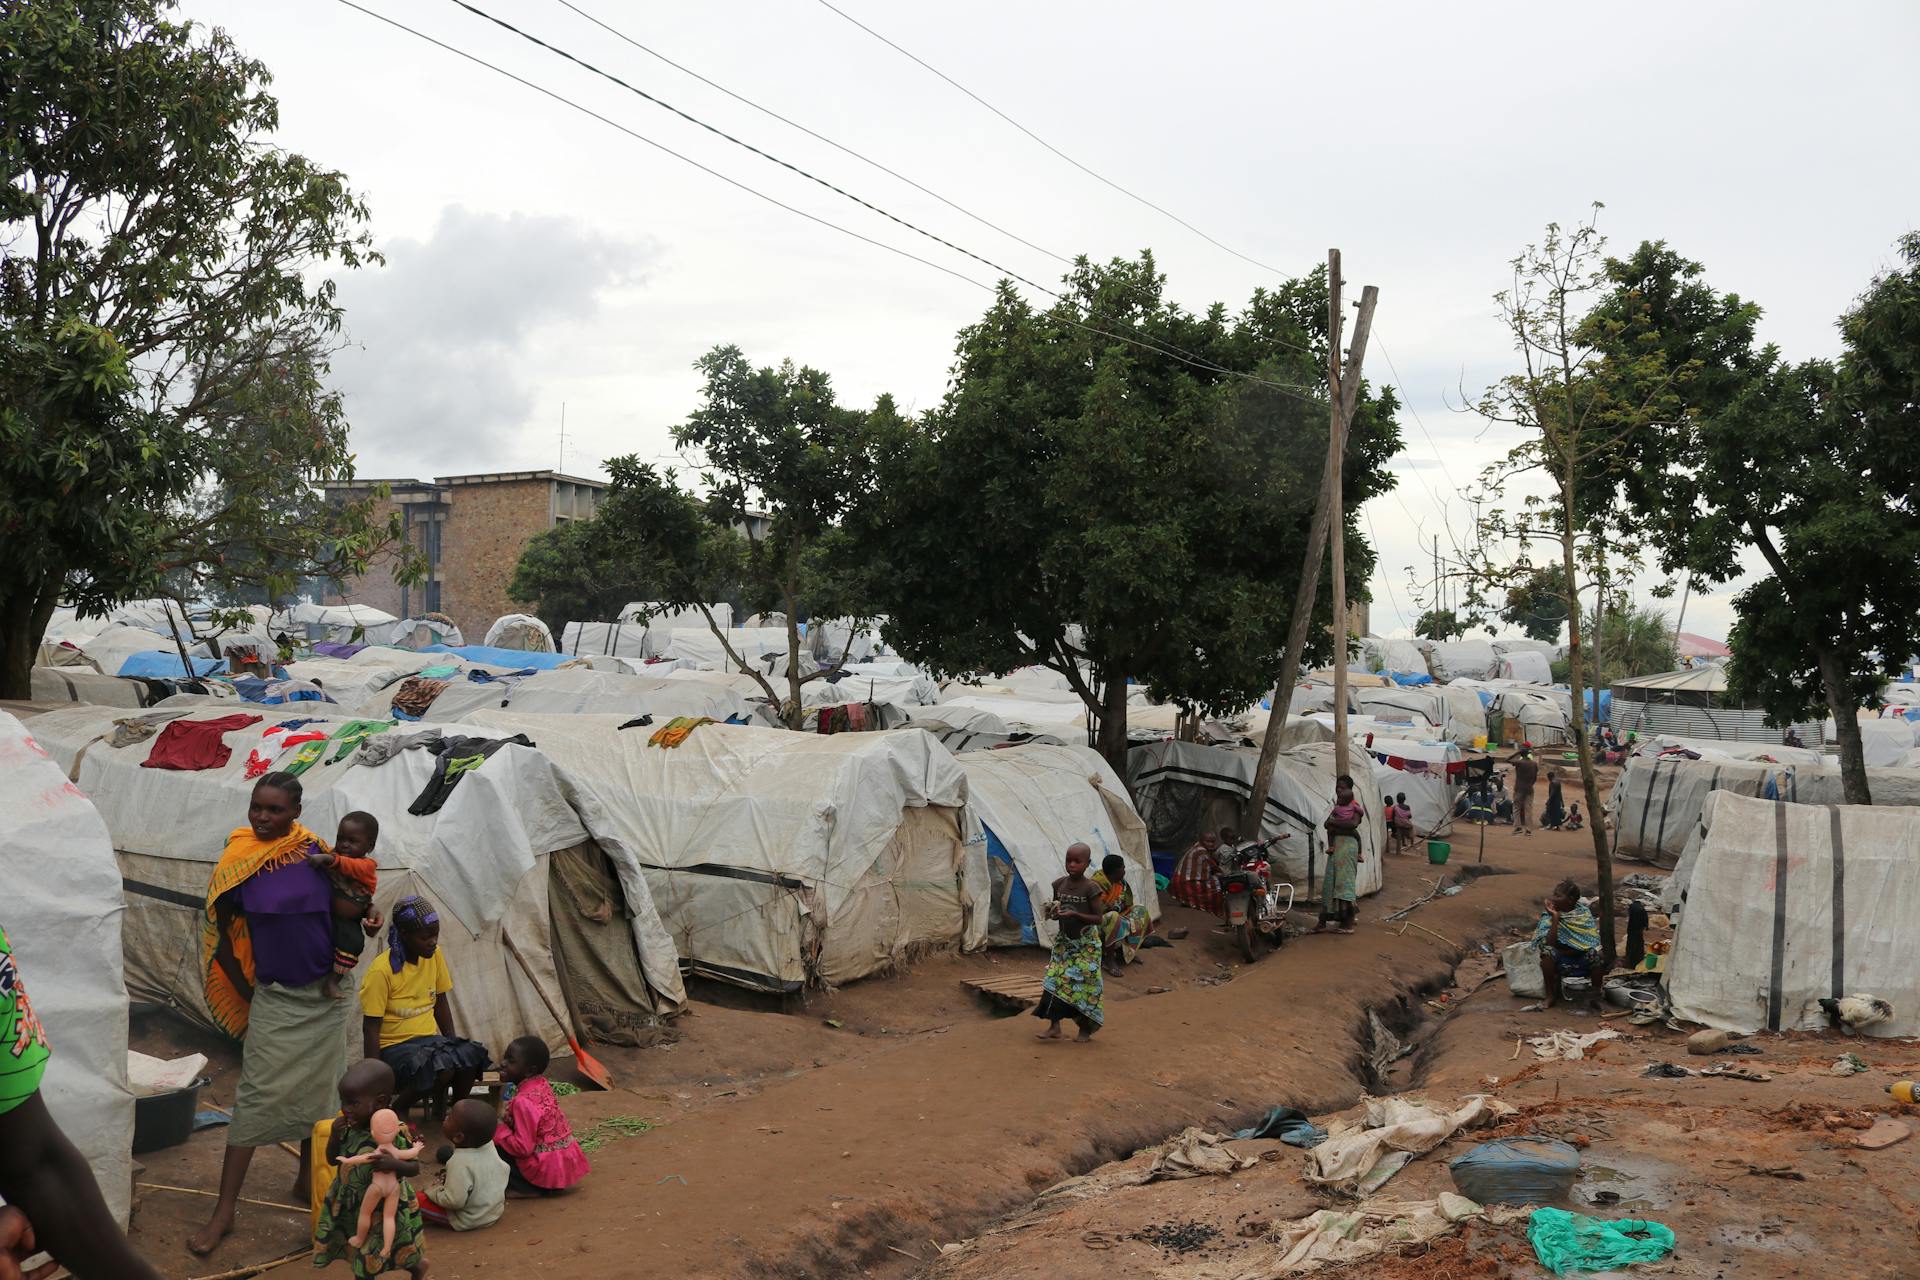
<point>1343,870</point>
<point>291,1062</point>
<point>1074,985</point>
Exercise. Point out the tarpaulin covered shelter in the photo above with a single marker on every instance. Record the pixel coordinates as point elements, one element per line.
<point>1657,801</point>
<point>779,860</point>
<point>63,919</point>
<point>834,639</point>
<point>1419,770</point>
<point>1394,655</point>
<point>1693,703</point>
<point>1449,659</point>
<point>1788,904</point>
<point>643,629</point>
<point>1032,802</point>
<point>520,631</point>
<point>1884,741</point>
<point>1183,789</point>
<point>1525,665</point>
<point>572,691</point>
<point>505,855</point>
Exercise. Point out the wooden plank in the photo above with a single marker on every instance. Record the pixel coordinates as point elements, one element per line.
<point>1016,991</point>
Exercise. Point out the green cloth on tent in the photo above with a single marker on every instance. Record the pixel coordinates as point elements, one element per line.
<point>352,734</point>
<point>1574,1242</point>
<point>441,672</point>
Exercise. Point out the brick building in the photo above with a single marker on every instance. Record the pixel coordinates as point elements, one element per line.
<point>471,530</point>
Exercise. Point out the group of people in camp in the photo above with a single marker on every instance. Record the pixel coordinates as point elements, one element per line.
<point>287,919</point>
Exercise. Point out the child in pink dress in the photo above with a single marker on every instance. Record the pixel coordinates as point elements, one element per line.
<point>534,1134</point>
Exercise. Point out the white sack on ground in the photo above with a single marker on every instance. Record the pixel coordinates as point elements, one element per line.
<point>63,918</point>
<point>1787,904</point>
<point>1354,1146</point>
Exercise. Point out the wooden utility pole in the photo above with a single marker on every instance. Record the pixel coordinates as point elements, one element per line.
<point>1336,521</point>
<point>1344,391</point>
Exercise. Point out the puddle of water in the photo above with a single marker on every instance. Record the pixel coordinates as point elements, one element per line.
<point>1625,1186</point>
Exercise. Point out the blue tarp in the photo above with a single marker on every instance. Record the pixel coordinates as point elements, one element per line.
<point>510,658</point>
<point>159,664</point>
<point>1019,905</point>
<point>1409,677</point>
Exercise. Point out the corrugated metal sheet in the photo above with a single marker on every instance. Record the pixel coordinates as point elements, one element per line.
<point>1741,724</point>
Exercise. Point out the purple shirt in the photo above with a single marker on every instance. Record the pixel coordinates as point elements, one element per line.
<point>290,918</point>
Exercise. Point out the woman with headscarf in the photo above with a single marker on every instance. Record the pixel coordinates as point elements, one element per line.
<point>266,945</point>
<point>408,1022</point>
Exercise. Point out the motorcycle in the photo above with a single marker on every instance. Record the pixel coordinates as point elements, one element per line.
<point>1250,905</point>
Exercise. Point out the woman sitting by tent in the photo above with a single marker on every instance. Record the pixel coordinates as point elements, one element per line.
<point>407,1022</point>
<point>1124,923</point>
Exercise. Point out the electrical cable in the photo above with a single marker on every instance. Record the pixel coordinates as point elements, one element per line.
<point>818,137</point>
<point>1168,349</point>
<point>1165,213</point>
<point>1285,389</point>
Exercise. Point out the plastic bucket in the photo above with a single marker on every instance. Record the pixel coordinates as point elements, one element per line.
<point>1438,852</point>
<point>1163,863</point>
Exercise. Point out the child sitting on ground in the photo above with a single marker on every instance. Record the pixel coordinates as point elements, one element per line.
<point>472,1192</point>
<point>533,1134</point>
<point>367,1087</point>
<point>1574,820</point>
<point>355,875</point>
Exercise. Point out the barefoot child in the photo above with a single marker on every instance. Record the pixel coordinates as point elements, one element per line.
<point>351,870</point>
<point>367,1087</point>
<point>1074,987</point>
<point>534,1134</point>
<point>472,1192</point>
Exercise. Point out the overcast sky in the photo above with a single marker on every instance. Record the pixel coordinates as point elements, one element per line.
<point>537,256</point>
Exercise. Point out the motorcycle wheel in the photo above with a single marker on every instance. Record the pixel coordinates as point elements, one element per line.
<point>1248,934</point>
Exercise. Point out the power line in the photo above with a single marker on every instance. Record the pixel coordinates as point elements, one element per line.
<point>1285,389</point>
<point>819,137</point>
<point>1131,195</point>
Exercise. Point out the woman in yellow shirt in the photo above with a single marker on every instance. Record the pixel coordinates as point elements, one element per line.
<point>408,1022</point>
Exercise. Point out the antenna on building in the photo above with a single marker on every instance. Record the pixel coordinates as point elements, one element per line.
<point>563,437</point>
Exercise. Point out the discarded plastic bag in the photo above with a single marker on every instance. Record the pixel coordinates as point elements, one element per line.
<point>1392,1124</point>
<point>1194,1154</point>
<point>1290,1125</point>
<point>1517,1171</point>
<point>1574,1242</point>
<point>1525,977</point>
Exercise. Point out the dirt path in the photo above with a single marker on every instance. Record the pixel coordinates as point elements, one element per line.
<point>789,1148</point>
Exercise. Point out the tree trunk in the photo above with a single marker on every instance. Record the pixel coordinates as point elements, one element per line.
<point>1583,746</point>
<point>1113,723</point>
<point>1846,724</point>
<point>23,620</point>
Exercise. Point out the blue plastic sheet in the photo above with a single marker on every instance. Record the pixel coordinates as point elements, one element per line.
<point>160,664</point>
<point>1019,905</point>
<point>510,658</point>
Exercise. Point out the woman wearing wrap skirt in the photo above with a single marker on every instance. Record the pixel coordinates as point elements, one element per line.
<point>267,951</point>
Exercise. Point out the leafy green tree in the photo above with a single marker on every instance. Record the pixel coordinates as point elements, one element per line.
<point>1538,606</point>
<point>1634,640</point>
<point>1117,509</point>
<point>567,576</point>
<point>782,462</point>
<point>1813,465</point>
<point>164,323</point>
<point>1440,624</point>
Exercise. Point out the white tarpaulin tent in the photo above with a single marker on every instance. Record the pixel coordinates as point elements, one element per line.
<point>1403,656</point>
<point>1422,776</point>
<point>1884,742</point>
<point>780,859</point>
<point>107,649</point>
<point>1037,800</point>
<point>699,646</point>
<point>336,623</point>
<point>1032,709</point>
<point>63,918</point>
<point>1425,708</point>
<point>1449,660</point>
<point>1183,788</point>
<point>520,631</point>
<point>1658,800</point>
<point>1716,749</point>
<point>573,690</point>
<point>1788,904</point>
<point>1525,665</point>
<point>484,860</point>
<point>833,639</point>
<point>1541,715</point>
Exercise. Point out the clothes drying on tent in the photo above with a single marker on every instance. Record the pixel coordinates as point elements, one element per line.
<point>459,756</point>
<point>195,744</point>
<point>416,695</point>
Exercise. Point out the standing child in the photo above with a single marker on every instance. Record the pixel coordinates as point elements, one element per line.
<point>1402,821</point>
<point>1339,892</point>
<point>534,1135</point>
<point>472,1192</point>
<point>1074,987</point>
<point>353,875</point>
<point>367,1087</point>
<point>407,1021</point>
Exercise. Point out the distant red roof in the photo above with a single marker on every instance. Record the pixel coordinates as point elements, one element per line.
<point>1692,646</point>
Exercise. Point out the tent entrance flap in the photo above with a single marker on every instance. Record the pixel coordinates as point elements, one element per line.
<point>593,949</point>
<point>742,926</point>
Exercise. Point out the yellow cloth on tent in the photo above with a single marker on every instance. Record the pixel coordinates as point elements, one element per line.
<point>677,730</point>
<point>245,857</point>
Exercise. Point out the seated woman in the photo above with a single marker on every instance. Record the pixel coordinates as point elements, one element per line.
<point>1124,924</point>
<point>408,1022</point>
<point>1569,940</point>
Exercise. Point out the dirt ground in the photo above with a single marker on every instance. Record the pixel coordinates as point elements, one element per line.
<point>788,1146</point>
